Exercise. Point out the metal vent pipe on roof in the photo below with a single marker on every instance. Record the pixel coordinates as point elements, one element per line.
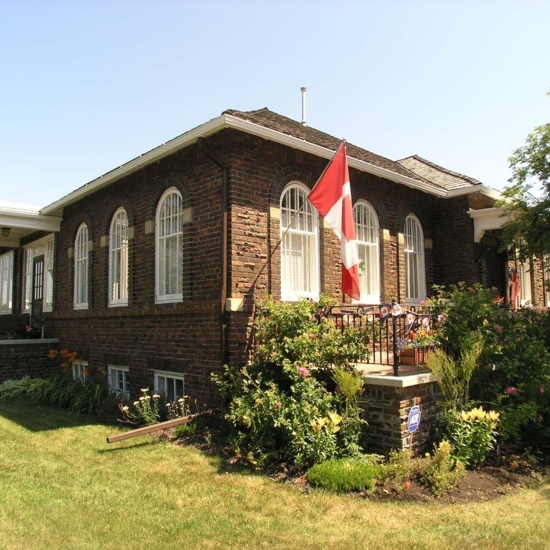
<point>303,89</point>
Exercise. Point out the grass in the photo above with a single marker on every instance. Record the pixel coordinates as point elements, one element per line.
<point>62,486</point>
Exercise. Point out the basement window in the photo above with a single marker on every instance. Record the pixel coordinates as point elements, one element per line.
<point>170,385</point>
<point>118,380</point>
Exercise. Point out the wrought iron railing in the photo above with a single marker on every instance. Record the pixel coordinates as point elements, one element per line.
<point>388,327</point>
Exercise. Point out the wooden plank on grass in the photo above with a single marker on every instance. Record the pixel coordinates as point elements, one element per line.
<point>155,427</point>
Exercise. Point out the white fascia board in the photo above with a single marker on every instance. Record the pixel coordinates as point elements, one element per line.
<point>213,126</point>
<point>32,221</point>
<point>483,189</point>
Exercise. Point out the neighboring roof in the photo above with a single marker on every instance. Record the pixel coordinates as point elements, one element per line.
<point>285,125</point>
<point>23,220</point>
<point>437,174</point>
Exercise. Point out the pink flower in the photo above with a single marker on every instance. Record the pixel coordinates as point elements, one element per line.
<point>511,390</point>
<point>312,336</point>
<point>303,372</point>
<point>541,391</point>
<point>498,328</point>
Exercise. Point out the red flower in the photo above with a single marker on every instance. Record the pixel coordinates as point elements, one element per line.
<point>511,390</point>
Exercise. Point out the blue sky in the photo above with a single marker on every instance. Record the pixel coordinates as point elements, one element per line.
<point>88,85</point>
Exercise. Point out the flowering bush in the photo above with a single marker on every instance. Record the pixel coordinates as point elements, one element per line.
<point>285,407</point>
<point>514,362</point>
<point>424,337</point>
<point>472,434</point>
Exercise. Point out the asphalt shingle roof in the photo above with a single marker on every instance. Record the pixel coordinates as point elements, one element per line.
<point>274,121</point>
<point>436,174</point>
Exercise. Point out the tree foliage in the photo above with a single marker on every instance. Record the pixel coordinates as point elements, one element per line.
<point>527,198</point>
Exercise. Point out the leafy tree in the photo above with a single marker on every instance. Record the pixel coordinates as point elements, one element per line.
<point>527,198</point>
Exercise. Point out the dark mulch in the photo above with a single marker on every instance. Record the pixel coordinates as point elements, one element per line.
<point>482,484</point>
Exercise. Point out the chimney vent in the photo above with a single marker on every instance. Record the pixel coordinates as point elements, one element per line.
<point>303,89</point>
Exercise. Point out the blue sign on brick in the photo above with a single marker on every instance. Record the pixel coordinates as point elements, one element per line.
<point>414,418</point>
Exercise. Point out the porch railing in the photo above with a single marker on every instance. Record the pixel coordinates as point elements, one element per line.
<point>387,325</point>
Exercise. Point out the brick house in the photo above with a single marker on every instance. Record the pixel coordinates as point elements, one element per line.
<point>151,271</point>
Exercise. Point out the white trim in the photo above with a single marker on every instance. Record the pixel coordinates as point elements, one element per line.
<point>309,250</point>
<point>6,284</point>
<point>168,297</point>
<point>119,251</point>
<point>486,219</point>
<point>420,268</point>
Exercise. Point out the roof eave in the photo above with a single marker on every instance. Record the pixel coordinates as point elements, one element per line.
<point>215,125</point>
<point>483,189</point>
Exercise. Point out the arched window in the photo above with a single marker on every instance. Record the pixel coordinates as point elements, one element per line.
<point>81,264</point>
<point>118,259</point>
<point>367,237</point>
<point>169,247</point>
<point>415,274</point>
<point>299,249</point>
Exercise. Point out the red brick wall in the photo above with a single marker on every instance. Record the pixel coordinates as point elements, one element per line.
<point>186,337</point>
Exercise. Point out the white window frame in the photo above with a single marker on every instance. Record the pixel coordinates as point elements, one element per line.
<point>299,231</point>
<point>49,261</point>
<point>79,371</point>
<point>27,279</point>
<point>118,377</point>
<point>118,259</point>
<point>81,266</point>
<point>44,246</point>
<point>6,283</point>
<point>525,287</point>
<point>169,248</point>
<point>166,384</point>
<point>367,235</point>
<point>415,266</point>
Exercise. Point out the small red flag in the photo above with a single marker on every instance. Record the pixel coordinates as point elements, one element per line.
<point>332,198</point>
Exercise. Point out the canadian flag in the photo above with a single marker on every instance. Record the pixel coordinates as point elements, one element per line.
<point>332,198</point>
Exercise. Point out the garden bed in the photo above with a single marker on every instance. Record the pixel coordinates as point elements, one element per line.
<point>481,484</point>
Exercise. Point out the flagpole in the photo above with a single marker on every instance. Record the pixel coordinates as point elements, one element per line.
<point>295,215</point>
<point>327,166</point>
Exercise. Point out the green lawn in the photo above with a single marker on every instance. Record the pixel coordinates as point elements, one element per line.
<point>63,486</point>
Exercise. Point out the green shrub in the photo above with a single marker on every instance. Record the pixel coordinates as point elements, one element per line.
<point>440,471</point>
<point>472,435</point>
<point>284,407</point>
<point>16,388</point>
<point>63,391</point>
<point>349,387</point>
<point>346,474</point>
<point>300,333</point>
<point>454,375</point>
<point>296,423</point>
<point>401,466</point>
<point>513,373</point>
